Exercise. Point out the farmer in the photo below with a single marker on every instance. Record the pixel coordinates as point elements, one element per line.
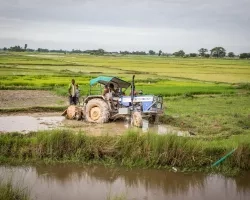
<point>72,92</point>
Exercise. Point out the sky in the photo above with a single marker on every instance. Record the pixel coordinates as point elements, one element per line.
<point>114,25</point>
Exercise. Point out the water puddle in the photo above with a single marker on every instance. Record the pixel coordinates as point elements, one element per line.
<point>25,124</point>
<point>79,182</point>
<point>163,129</point>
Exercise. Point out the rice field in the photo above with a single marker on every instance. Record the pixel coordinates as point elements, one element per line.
<point>154,75</point>
<point>215,70</point>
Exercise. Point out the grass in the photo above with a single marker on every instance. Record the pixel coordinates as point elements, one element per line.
<point>210,116</point>
<point>131,150</point>
<point>9,192</point>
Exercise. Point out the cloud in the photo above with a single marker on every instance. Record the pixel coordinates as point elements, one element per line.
<point>131,24</point>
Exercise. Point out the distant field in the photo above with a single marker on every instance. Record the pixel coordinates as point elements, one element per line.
<point>216,70</point>
<point>157,75</point>
<point>222,70</point>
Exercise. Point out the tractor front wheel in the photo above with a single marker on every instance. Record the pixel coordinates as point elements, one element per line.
<point>137,119</point>
<point>97,111</point>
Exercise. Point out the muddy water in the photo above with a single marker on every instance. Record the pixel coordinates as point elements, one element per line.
<point>27,124</point>
<point>97,183</point>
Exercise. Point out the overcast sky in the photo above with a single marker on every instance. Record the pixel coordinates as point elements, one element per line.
<point>113,25</point>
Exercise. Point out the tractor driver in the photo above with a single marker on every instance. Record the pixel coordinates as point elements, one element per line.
<point>105,91</point>
<point>109,89</point>
<point>109,92</point>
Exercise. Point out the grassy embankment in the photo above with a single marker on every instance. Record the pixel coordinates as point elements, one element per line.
<point>131,150</point>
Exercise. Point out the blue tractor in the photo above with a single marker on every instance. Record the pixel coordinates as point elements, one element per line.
<point>100,108</point>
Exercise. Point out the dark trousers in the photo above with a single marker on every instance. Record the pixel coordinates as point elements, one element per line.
<point>72,100</point>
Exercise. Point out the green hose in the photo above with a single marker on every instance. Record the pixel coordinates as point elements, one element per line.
<point>223,158</point>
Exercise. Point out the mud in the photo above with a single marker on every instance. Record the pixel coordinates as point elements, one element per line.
<point>26,123</point>
<point>29,98</point>
<point>79,182</point>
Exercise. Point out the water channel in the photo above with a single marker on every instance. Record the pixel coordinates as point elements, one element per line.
<point>75,182</point>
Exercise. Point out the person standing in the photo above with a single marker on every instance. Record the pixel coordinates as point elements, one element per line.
<point>72,92</point>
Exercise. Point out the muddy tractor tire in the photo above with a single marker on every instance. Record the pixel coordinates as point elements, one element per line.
<point>137,119</point>
<point>73,112</point>
<point>97,110</point>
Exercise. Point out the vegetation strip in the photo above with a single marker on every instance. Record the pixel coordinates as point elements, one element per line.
<point>131,150</point>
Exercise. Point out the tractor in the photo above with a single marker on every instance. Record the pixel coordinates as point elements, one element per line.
<point>99,109</point>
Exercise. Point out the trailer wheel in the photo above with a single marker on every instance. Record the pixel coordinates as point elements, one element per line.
<point>97,111</point>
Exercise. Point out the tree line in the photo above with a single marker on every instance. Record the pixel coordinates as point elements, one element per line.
<point>216,52</point>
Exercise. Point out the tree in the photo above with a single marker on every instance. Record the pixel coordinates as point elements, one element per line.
<point>245,55</point>
<point>151,52</point>
<point>193,54</point>
<point>202,52</point>
<point>124,52</point>
<point>42,50</point>
<point>97,52</point>
<point>16,48</point>
<point>5,49</point>
<point>231,54</point>
<point>25,46</point>
<point>180,53</point>
<point>160,52</point>
<point>218,52</point>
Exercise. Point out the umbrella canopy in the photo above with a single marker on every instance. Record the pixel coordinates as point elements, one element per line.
<point>105,80</point>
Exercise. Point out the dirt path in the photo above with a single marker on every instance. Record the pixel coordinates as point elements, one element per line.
<point>29,98</point>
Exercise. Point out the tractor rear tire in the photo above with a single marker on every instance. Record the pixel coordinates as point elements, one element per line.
<point>97,111</point>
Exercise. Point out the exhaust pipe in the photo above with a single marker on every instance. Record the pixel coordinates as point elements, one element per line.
<point>132,91</point>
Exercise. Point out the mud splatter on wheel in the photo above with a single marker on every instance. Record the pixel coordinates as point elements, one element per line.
<point>97,111</point>
<point>137,119</point>
<point>73,112</point>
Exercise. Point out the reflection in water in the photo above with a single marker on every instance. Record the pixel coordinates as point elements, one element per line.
<point>95,182</point>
